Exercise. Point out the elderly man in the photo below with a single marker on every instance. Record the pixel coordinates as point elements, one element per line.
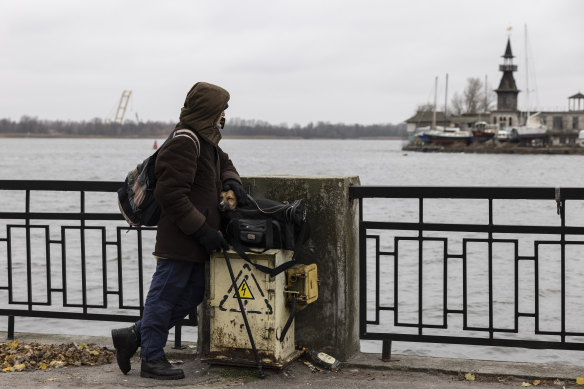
<point>191,171</point>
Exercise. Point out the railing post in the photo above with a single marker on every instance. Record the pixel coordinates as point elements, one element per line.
<point>178,337</point>
<point>386,350</point>
<point>10,328</point>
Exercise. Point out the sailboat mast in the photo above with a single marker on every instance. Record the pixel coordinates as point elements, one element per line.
<point>486,108</point>
<point>526,76</point>
<point>446,98</point>
<point>435,102</point>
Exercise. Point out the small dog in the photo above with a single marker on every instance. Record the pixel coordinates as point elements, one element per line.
<point>228,201</point>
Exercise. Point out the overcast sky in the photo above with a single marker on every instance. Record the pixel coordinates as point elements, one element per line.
<point>292,61</point>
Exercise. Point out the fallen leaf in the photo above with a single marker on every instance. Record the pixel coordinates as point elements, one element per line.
<point>50,379</point>
<point>56,364</point>
<point>19,367</point>
<point>536,382</point>
<point>43,366</point>
<point>580,381</point>
<point>94,352</point>
<point>525,384</point>
<point>469,377</point>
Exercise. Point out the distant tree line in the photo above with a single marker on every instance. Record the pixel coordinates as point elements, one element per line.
<point>96,127</point>
<point>241,127</point>
<point>234,127</point>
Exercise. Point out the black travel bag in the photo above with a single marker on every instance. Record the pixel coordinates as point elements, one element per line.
<point>267,224</point>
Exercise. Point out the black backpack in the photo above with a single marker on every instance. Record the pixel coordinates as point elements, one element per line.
<point>267,224</point>
<point>136,196</point>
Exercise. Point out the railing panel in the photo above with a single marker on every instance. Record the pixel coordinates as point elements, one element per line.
<point>67,253</point>
<point>472,265</point>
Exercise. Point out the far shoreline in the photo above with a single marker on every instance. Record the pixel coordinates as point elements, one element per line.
<point>71,136</point>
<point>497,148</point>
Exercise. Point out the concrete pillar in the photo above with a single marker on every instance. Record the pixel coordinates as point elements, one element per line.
<point>331,324</point>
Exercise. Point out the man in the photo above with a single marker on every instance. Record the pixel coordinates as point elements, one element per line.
<point>191,171</point>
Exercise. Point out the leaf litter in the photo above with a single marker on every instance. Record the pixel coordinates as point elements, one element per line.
<point>16,356</point>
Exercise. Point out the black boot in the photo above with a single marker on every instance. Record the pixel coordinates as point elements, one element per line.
<point>160,369</point>
<point>126,342</point>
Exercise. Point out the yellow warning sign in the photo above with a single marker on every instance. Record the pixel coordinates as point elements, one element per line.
<point>244,291</point>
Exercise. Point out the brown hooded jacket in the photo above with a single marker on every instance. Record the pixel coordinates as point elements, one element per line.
<point>188,185</point>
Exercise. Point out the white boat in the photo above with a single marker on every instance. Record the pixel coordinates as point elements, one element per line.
<point>533,129</point>
<point>446,136</point>
<point>503,135</point>
<point>580,141</point>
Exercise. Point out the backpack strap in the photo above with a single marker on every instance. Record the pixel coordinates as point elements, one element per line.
<point>192,136</point>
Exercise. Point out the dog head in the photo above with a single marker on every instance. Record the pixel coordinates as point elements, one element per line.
<point>227,201</point>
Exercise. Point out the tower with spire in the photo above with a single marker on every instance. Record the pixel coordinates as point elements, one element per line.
<point>507,91</point>
<point>506,114</point>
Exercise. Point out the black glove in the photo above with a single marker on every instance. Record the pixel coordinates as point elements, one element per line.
<point>210,239</point>
<point>237,188</point>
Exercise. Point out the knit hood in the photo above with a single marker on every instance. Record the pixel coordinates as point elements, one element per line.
<point>202,110</point>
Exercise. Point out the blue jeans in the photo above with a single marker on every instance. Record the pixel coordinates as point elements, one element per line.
<point>177,288</point>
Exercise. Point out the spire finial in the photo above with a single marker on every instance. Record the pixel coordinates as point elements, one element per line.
<point>508,52</point>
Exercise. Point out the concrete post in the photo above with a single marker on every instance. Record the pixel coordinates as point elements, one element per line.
<point>331,324</point>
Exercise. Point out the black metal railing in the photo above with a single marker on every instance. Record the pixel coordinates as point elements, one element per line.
<point>59,299</point>
<point>384,245</point>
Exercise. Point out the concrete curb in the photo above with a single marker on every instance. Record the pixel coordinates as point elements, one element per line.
<point>455,366</point>
<point>449,366</point>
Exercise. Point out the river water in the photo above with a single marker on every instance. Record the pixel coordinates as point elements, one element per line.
<point>376,162</point>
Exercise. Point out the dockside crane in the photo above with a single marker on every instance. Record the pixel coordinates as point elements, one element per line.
<point>121,111</point>
<point>122,106</point>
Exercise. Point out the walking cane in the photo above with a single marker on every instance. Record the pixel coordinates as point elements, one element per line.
<point>243,314</point>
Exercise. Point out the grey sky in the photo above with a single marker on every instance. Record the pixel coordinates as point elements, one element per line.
<point>291,61</point>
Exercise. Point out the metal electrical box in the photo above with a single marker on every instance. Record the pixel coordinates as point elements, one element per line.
<point>302,280</point>
<point>265,304</point>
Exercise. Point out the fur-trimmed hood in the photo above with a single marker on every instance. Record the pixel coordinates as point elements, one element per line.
<point>202,110</point>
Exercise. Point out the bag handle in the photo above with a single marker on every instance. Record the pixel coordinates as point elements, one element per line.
<point>264,211</point>
<point>290,318</point>
<point>241,249</point>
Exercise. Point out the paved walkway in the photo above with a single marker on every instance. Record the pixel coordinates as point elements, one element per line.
<point>362,371</point>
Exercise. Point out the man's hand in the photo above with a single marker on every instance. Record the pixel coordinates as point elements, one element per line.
<point>210,239</point>
<point>237,188</point>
